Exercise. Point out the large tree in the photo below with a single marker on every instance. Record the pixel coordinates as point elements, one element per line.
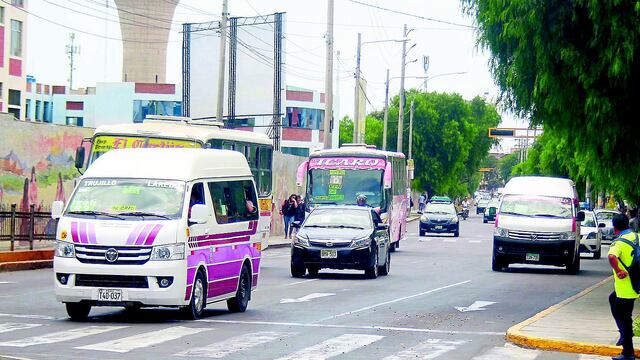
<point>573,67</point>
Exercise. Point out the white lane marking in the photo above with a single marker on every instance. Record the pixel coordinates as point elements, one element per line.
<point>425,240</point>
<point>592,357</point>
<point>306,298</point>
<point>127,344</point>
<point>510,352</point>
<point>7,327</point>
<point>475,241</point>
<point>333,347</point>
<point>60,336</point>
<point>7,282</point>
<point>300,282</point>
<point>449,240</point>
<point>430,349</point>
<point>236,344</point>
<point>394,301</point>
<point>476,306</point>
<point>28,316</point>
<point>352,327</point>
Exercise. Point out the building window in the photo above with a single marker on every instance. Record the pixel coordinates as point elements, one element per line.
<point>304,118</point>
<point>1,90</point>
<point>1,14</point>
<point>15,112</point>
<point>295,151</point>
<point>16,38</point>
<point>18,3</point>
<point>37,114</point>
<point>142,108</point>
<point>75,120</point>
<point>27,109</point>
<point>14,97</point>
<point>46,116</point>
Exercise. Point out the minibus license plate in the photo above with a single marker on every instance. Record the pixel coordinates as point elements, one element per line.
<point>328,254</point>
<point>533,257</point>
<point>438,227</point>
<point>109,295</point>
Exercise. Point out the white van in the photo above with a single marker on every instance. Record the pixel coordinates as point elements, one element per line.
<point>159,227</point>
<point>538,222</point>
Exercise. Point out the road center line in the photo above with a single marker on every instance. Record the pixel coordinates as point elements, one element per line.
<point>356,327</point>
<point>300,282</point>
<point>393,301</point>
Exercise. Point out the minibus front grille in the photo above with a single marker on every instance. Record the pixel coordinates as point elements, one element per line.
<point>116,281</point>
<point>127,255</point>
<point>534,236</point>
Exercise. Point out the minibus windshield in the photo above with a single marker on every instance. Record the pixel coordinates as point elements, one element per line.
<point>127,199</point>
<point>537,206</point>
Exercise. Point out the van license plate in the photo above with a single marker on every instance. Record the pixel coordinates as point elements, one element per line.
<point>109,295</point>
<point>533,257</point>
<point>328,254</point>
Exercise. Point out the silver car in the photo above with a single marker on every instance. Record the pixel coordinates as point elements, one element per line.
<point>604,216</point>
<point>590,235</point>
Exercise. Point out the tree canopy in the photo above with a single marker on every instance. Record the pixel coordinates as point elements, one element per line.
<point>571,66</point>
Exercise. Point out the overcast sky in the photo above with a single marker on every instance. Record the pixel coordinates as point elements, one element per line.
<point>450,48</point>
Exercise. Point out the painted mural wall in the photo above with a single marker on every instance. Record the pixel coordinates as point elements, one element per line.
<point>37,162</point>
<point>285,168</point>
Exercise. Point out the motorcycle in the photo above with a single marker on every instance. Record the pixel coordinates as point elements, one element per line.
<point>465,212</point>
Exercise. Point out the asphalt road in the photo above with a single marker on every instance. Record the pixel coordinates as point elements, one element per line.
<point>410,314</point>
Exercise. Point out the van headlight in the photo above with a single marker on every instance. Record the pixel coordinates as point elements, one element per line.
<point>567,235</point>
<point>300,241</point>
<point>168,252</point>
<point>501,232</point>
<point>363,242</point>
<point>64,249</point>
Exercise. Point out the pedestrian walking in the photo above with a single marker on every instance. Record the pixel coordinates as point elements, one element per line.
<point>300,211</point>
<point>288,211</point>
<point>421,202</point>
<point>623,297</point>
<point>634,222</point>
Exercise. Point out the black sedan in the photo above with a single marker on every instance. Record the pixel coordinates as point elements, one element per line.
<point>341,237</point>
<point>439,218</point>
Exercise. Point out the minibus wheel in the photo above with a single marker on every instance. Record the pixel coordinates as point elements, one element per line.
<point>78,311</point>
<point>196,306</point>
<point>239,302</point>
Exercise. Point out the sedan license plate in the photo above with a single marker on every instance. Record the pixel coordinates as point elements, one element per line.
<point>328,254</point>
<point>438,227</point>
<point>109,295</point>
<point>532,257</point>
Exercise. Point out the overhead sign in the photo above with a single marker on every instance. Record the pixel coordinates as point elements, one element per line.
<point>486,169</point>
<point>517,133</point>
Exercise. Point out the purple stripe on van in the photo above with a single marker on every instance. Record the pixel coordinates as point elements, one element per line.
<point>134,234</point>
<point>252,230</point>
<point>191,274</point>
<point>83,233</point>
<point>152,235</point>
<point>143,234</point>
<point>222,287</point>
<point>222,241</point>
<point>187,293</point>
<point>74,232</point>
<point>92,234</point>
<point>223,271</point>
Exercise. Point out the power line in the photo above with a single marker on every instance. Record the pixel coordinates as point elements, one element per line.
<point>99,3</point>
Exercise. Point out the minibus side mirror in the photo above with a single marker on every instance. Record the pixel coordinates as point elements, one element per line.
<point>580,216</point>
<point>56,209</point>
<point>80,157</point>
<point>602,225</point>
<point>199,214</point>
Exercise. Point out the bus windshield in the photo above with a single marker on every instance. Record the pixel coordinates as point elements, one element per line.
<point>104,143</point>
<point>342,186</point>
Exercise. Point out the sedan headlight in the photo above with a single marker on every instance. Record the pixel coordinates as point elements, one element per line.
<point>568,235</point>
<point>501,232</point>
<point>64,249</point>
<point>454,220</point>
<point>424,218</point>
<point>364,242</point>
<point>300,241</point>
<point>168,252</point>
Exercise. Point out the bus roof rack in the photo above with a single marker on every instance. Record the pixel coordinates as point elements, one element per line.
<point>182,119</point>
<point>360,145</point>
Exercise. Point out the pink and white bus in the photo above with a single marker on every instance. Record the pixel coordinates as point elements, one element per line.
<point>335,177</point>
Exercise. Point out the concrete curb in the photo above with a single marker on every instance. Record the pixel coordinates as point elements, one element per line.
<point>515,336</point>
<point>26,260</point>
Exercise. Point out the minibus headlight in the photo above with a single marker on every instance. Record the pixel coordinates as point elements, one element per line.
<point>501,232</point>
<point>64,249</point>
<point>568,235</point>
<point>168,252</point>
<point>366,241</point>
<point>300,241</point>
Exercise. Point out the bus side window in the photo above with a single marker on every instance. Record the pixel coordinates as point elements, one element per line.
<point>227,145</point>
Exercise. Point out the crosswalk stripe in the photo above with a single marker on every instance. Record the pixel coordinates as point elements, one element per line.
<point>7,327</point>
<point>236,344</point>
<point>475,241</point>
<point>127,344</point>
<point>61,336</point>
<point>430,349</point>
<point>508,351</point>
<point>449,240</point>
<point>333,347</point>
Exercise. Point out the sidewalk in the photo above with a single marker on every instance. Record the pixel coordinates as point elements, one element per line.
<point>580,324</point>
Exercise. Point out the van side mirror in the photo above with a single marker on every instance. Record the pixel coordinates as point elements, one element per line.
<point>199,214</point>
<point>80,157</point>
<point>602,225</point>
<point>56,209</point>
<point>580,216</point>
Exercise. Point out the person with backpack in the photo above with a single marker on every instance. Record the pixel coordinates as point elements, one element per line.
<point>624,258</point>
<point>288,210</point>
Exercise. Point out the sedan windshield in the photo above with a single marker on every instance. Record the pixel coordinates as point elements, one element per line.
<point>605,215</point>
<point>537,206</point>
<point>130,199</point>
<point>340,218</point>
<point>435,208</point>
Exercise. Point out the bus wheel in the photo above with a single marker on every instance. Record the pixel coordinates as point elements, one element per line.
<point>78,311</point>
<point>241,300</point>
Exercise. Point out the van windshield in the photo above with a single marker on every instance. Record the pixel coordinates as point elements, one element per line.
<point>537,206</point>
<point>130,199</point>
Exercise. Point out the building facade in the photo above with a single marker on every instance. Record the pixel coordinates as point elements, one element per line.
<point>13,31</point>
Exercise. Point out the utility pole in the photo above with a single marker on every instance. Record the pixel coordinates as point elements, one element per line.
<point>336,99</point>
<point>222,61</point>
<point>386,113</point>
<point>328,80</point>
<point>411,130</point>
<point>401,105</point>
<point>356,101</point>
<point>71,51</point>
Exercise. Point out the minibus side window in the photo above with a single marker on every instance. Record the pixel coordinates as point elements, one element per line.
<point>234,201</point>
<point>197,196</point>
